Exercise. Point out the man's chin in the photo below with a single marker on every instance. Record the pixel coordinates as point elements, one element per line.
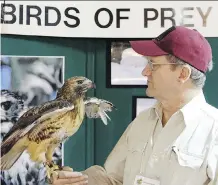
<point>149,93</point>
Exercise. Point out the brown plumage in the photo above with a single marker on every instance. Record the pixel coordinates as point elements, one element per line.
<point>42,128</point>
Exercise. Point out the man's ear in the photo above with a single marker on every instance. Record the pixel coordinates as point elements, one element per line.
<point>185,73</point>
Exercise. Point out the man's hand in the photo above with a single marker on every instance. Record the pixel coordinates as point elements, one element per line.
<point>69,177</point>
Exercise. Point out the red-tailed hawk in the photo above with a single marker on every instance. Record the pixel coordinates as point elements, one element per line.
<point>42,128</point>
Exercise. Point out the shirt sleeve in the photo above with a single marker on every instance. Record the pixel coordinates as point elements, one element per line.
<point>212,167</point>
<point>113,171</point>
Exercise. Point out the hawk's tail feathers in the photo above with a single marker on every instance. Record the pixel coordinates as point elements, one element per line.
<point>9,159</point>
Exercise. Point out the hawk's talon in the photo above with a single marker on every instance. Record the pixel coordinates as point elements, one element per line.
<point>50,169</point>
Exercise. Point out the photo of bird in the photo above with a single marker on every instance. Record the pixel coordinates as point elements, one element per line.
<point>42,128</point>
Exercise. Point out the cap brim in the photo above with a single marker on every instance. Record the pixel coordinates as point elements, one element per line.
<point>147,48</point>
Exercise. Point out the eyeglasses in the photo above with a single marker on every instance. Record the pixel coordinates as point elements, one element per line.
<point>151,64</point>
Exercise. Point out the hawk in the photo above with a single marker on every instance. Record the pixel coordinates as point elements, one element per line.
<point>42,128</point>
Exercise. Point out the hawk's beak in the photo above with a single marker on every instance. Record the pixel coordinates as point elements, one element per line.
<point>92,85</point>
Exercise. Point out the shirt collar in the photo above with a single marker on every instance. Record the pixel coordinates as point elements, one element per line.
<point>192,109</point>
<point>157,110</point>
<point>189,111</point>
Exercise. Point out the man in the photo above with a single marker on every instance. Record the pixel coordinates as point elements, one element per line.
<point>176,141</point>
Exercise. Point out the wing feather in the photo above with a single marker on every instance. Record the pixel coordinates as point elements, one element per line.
<point>36,112</point>
<point>32,118</point>
<point>97,108</point>
<point>103,116</point>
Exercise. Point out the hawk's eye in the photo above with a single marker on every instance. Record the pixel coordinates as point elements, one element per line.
<point>80,81</point>
<point>6,105</point>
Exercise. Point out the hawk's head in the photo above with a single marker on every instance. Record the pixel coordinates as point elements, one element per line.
<point>75,86</point>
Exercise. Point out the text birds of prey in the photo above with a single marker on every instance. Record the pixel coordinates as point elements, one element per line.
<point>42,128</point>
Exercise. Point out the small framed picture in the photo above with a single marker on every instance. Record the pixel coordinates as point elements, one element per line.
<point>124,65</point>
<point>141,103</point>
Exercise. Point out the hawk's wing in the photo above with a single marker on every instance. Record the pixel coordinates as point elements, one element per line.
<point>97,108</point>
<point>29,119</point>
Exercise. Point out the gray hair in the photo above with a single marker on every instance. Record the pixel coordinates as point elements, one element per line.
<point>198,78</point>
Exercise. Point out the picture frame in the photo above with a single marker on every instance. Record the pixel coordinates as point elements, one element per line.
<point>123,65</point>
<point>141,103</point>
<point>28,81</point>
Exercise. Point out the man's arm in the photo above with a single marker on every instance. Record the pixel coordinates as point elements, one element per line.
<point>113,171</point>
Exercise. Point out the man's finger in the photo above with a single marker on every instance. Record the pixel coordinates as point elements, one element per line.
<point>61,181</point>
<point>81,180</point>
<point>67,168</point>
<point>67,174</point>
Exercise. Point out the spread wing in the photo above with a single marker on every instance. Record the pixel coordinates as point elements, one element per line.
<point>97,108</point>
<point>29,119</point>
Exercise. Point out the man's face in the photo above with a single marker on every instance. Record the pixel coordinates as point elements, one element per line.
<point>162,80</point>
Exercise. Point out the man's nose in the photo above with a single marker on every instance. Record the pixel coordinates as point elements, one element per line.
<point>146,71</point>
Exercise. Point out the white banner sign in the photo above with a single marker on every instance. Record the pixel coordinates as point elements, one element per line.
<point>107,19</point>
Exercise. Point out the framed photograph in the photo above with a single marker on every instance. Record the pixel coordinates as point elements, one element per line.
<point>124,65</point>
<point>28,81</point>
<point>141,103</point>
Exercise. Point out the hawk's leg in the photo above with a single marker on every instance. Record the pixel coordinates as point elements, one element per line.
<point>51,167</point>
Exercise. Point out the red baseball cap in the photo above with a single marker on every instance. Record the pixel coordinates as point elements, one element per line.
<point>184,43</point>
